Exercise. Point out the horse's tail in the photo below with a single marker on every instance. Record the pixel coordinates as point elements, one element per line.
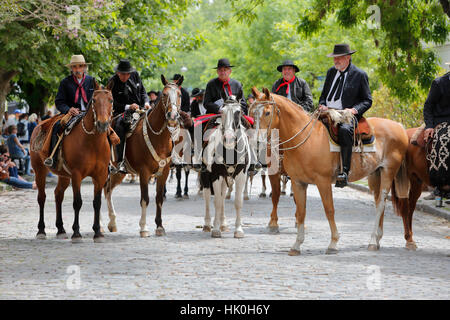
<point>401,190</point>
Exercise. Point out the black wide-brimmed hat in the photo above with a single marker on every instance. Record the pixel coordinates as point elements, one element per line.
<point>223,63</point>
<point>250,96</point>
<point>197,92</point>
<point>287,63</point>
<point>124,66</point>
<point>152,91</point>
<point>342,49</point>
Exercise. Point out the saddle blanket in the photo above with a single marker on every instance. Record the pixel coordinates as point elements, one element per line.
<point>366,147</point>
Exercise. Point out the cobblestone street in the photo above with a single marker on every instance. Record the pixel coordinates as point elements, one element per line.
<point>188,264</point>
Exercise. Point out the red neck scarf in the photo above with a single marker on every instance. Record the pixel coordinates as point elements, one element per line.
<point>226,83</point>
<point>286,83</point>
<point>80,88</point>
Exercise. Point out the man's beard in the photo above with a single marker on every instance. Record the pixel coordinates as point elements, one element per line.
<point>78,73</point>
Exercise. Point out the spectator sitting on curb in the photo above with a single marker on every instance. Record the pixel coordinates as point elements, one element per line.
<point>9,172</point>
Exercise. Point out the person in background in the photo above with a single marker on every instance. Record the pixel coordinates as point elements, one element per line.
<point>22,128</point>
<point>32,123</point>
<point>9,173</point>
<point>47,115</point>
<point>17,150</point>
<point>153,96</point>
<point>197,108</point>
<point>250,99</point>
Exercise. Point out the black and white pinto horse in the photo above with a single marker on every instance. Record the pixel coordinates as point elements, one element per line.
<point>227,159</point>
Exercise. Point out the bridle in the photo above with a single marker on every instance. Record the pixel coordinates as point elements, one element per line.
<point>91,104</point>
<point>259,105</point>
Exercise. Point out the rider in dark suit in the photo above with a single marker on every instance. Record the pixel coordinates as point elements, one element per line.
<point>346,87</point>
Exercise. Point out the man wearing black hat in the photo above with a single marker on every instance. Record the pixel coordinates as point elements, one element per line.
<point>345,87</point>
<point>153,96</point>
<point>219,89</point>
<point>129,95</point>
<point>197,108</point>
<point>292,87</point>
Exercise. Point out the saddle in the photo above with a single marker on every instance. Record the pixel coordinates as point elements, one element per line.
<point>363,132</point>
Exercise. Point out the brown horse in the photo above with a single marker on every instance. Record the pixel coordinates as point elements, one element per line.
<point>274,177</point>
<point>417,167</point>
<point>148,153</point>
<point>85,152</point>
<point>308,160</point>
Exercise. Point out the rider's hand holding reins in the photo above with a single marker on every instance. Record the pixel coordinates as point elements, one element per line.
<point>73,111</point>
<point>428,134</point>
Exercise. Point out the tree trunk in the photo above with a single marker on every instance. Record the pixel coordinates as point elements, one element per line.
<point>5,87</point>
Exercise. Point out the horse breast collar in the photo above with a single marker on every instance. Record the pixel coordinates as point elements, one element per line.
<point>161,162</point>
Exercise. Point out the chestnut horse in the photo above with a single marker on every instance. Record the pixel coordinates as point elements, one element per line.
<point>85,152</point>
<point>419,178</point>
<point>308,160</point>
<point>275,178</point>
<point>148,153</point>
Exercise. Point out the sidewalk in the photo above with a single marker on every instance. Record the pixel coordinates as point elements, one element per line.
<point>427,206</point>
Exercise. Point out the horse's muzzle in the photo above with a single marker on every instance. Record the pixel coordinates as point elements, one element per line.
<point>102,126</point>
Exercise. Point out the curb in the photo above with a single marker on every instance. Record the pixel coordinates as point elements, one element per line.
<point>419,206</point>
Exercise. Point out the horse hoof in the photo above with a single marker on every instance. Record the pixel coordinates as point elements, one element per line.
<point>62,236</point>
<point>102,230</point>
<point>206,228</point>
<point>224,228</point>
<point>112,229</point>
<point>294,252</point>
<point>283,193</point>
<point>77,240</point>
<point>216,234</point>
<point>144,234</point>
<point>41,236</point>
<point>274,229</point>
<point>331,251</point>
<point>411,246</point>
<point>262,195</point>
<point>228,197</point>
<point>160,232</point>
<point>100,239</point>
<point>246,198</point>
<point>373,247</point>
<point>185,196</point>
<point>238,234</point>
<point>291,195</point>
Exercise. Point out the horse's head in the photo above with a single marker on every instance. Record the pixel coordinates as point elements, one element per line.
<point>171,98</point>
<point>102,106</point>
<point>265,111</point>
<point>231,122</point>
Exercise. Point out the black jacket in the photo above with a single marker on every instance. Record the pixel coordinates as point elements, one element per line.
<point>185,100</point>
<point>214,92</point>
<point>437,105</point>
<point>130,92</point>
<point>356,92</point>
<point>300,92</point>
<point>65,98</point>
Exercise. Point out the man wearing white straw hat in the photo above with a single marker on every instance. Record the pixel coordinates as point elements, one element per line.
<point>75,90</point>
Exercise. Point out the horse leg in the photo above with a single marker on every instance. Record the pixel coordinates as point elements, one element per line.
<point>143,183</point>
<point>240,181</point>
<point>223,222</point>
<point>207,197</point>
<point>300,201</point>
<point>178,175</point>
<point>283,185</point>
<point>275,184</point>
<point>160,183</point>
<point>99,182</point>
<point>246,197</point>
<point>230,190</point>
<point>263,191</point>
<point>186,188</point>
<point>62,185</point>
<point>40,174</point>
<point>414,194</point>
<point>111,183</point>
<point>77,203</point>
<point>218,201</point>
<point>326,195</point>
<point>380,182</point>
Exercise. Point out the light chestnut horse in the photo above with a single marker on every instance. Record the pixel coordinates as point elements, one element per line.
<point>86,152</point>
<point>148,152</point>
<point>308,160</point>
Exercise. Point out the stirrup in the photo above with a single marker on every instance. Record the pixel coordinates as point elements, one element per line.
<point>48,162</point>
<point>341,180</point>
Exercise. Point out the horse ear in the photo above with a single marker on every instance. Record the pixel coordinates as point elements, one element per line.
<point>163,80</point>
<point>110,85</point>
<point>180,81</point>
<point>267,93</point>
<point>256,92</point>
<point>96,85</point>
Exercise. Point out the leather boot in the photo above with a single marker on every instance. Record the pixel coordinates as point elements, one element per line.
<point>346,155</point>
